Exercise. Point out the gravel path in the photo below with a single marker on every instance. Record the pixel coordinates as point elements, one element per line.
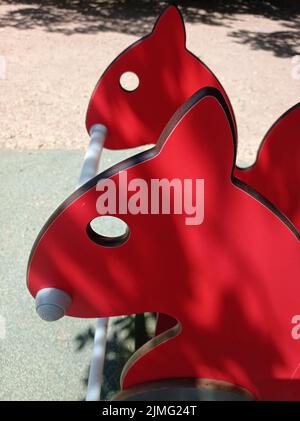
<point>55,56</point>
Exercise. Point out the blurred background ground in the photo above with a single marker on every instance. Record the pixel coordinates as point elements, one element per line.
<point>55,52</point>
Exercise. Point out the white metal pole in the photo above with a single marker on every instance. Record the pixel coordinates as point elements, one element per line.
<point>92,156</point>
<point>89,170</point>
<point>95,379</point>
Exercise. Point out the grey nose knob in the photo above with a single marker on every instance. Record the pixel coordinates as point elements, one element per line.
<point>51,304</point>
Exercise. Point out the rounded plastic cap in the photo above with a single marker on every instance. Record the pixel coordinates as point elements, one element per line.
<point>98,128</point>
<point>51,304</point>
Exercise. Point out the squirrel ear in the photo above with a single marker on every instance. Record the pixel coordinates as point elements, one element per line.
<point>170,25</point>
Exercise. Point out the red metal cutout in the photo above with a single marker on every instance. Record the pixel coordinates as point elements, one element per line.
<point>232,282</point>
<point>168,73</point>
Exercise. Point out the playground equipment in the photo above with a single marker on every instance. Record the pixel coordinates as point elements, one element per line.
<point>227,289</point>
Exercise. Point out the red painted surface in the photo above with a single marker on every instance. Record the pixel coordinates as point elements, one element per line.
<point>276,172</point>
<point>169,74</point>
<point>232,282</point>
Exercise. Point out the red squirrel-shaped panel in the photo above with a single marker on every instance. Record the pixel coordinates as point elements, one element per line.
<point>168,75</point>
<point>231,280</point>
<point>225,268</point>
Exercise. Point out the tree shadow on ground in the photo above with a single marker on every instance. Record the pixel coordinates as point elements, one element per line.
<point>126,335</point>
<point>137,17</point>
<point>280,43</point>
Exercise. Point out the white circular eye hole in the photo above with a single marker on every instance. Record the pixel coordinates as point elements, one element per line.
<point>129,81</point>
<point>108,231</point>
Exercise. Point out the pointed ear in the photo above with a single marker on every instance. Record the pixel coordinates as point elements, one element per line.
<point>205,124</point>
<point>170,26</point>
